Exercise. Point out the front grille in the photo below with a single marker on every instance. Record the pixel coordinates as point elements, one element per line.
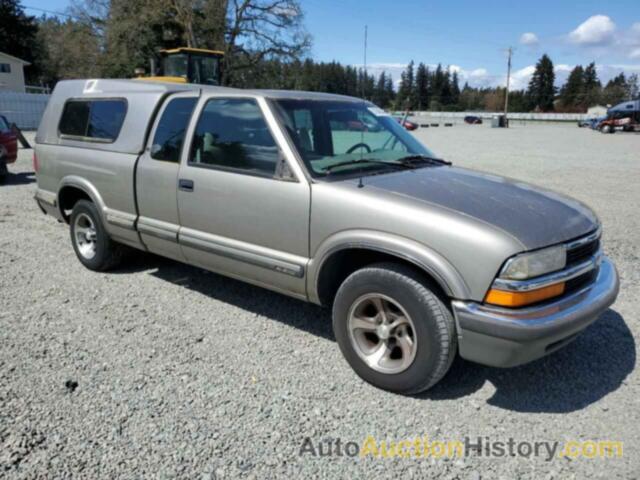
<point>580,281</point>
<point>583,252</point>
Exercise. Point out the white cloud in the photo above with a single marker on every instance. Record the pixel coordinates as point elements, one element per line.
<point>520,78</point>
<point>597,30</point>
<point>479,72</point>
<point>635,54</point>
<point>286,11</point>
<point>529,38</point>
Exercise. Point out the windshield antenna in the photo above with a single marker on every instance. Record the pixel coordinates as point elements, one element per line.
<point>364,100</point>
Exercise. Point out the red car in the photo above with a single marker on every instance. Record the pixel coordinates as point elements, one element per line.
<point>406,124</point>
<point>8,146</point>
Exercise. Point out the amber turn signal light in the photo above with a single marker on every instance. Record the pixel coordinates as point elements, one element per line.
<point>504,298</point>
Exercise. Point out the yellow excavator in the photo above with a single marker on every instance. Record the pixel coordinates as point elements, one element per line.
<point>187,65</point>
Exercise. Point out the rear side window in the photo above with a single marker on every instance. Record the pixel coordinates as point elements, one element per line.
<point>169,136</point>
<point>99,120</point>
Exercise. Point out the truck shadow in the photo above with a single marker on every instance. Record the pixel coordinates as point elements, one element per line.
<point>580,374</point>
<point>22,178</point>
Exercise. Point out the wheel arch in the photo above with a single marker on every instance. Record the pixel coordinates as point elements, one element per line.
<point>343,253</point>
<point>75,188</point>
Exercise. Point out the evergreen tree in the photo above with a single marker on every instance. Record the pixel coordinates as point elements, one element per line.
<point>390,93</point>
<point>383,91</point>
<point>445,92</point>
<point>592,86</point>
<point>541,86</point>
<point>438,83</point>
<point>616,90</point>
<point>405,98</point>
<point>422,93</point>
<point>379,91</point>
<point>633,87</point>
<point>455,89</point>
<point>572,92</point>
<point>18,34</point>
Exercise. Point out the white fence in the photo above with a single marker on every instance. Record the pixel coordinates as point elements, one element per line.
<point>23,109</point>
<point>539,117</point>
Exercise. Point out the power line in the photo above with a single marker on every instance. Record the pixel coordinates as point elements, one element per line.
<point>51,12</point>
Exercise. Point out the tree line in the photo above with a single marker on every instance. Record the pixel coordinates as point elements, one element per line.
<point>266,46</point>
<point>438,89</point>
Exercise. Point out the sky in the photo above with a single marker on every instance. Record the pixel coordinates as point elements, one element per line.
<point>470,36</point>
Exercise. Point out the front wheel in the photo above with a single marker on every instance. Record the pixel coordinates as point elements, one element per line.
<point>394,331</point>
<point>90,240</point>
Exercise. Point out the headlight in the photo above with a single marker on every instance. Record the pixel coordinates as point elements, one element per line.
<point>534,264</point>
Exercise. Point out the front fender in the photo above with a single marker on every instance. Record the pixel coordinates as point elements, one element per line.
<point>420,255</point>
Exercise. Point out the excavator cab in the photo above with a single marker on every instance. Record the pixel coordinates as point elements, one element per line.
<point>190,65</point>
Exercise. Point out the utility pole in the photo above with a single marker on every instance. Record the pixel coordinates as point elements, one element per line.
<point>364,77</point>
<point>506,93</point>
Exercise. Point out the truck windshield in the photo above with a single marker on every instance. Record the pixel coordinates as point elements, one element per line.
<point>338,137</point>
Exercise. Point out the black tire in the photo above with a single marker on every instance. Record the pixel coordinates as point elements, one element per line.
<point>433,323</point>
<point>107,253</point>
<point>4,171</point>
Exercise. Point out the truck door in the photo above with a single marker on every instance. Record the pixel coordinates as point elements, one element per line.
<point>157,176</point>
<point>243,200</point>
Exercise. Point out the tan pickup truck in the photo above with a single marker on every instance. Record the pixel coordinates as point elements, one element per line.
<point>327,199</point>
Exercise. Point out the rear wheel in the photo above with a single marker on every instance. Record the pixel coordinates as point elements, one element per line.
<point>606,129</point>
<point>90,240</point>
<point>394,331</point>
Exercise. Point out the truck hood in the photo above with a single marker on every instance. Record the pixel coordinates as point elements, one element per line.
<point>534,216</point>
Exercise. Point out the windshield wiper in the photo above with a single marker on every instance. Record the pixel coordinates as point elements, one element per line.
<point>367,160</point>
<point>414,159</point>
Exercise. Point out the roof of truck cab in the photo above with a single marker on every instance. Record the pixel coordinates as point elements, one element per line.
<point>125,87</point>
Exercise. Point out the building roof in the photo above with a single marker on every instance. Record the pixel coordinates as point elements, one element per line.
<point>15,59</point>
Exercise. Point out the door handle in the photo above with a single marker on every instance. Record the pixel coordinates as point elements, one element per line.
<point>185,185</point>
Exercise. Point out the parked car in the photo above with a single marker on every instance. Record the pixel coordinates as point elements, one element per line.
<point>407,124</point>
<point>624,116</point>
<point>416,258</point>
<point>595,122</point>
<point>473,120</point>
<point>8,146</point>
<point>589,122</point>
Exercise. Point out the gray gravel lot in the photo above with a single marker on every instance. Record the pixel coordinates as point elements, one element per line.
<point>164,370</point>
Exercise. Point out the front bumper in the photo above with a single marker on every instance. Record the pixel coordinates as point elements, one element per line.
<point>502,337</point>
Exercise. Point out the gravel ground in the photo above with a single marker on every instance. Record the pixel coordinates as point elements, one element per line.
<point>164,370</point>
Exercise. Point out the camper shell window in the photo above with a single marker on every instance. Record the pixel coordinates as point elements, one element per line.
<point>93,120</point>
